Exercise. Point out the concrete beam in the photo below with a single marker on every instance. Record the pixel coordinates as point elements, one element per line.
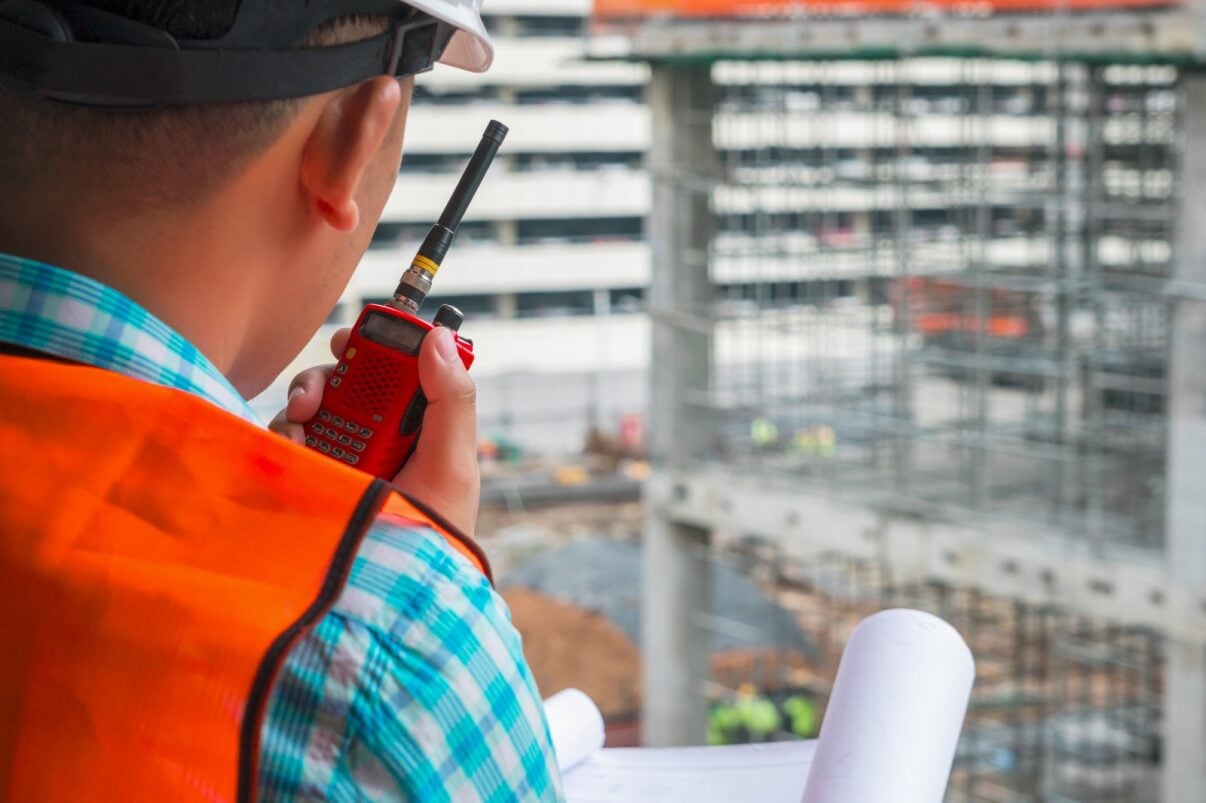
<point>1000,558</point>
<point>1174,34</point>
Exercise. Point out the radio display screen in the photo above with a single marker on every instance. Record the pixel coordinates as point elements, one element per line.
<point>393,333</point>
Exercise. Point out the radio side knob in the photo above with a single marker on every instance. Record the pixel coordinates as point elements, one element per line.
<point>449,316</point>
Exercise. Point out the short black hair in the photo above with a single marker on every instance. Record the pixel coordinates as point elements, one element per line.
<point>171,155</point>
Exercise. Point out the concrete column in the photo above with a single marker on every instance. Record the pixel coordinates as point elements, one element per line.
<point>861,223</point>
<point>505,27</point>
<point>506,306</point>
<point>677,579</point>
<point>1185,686</point>
<point>601,301</point>
<point>507,232</point>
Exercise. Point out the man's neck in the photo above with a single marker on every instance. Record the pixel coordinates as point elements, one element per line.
<point>193,277</point>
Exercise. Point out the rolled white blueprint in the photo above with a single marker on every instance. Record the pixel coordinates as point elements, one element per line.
<point>575,725</point>
<point>895,714</point>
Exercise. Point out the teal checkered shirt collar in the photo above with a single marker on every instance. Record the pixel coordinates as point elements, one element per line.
<point>67,315</point>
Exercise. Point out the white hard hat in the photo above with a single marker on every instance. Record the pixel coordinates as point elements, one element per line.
<point>470,48</point>
<point>256,60</point>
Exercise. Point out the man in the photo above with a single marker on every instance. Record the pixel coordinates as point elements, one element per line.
<point>192,607</point>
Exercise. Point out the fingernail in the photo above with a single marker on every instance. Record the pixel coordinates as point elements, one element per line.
<point>445,344</point>
<point>296,392</point>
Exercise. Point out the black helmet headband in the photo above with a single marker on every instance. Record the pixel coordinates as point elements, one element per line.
<point>64,51</point>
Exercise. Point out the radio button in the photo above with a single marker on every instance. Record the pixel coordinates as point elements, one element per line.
<point>413,418</point>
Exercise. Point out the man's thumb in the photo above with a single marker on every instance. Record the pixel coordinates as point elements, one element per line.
<point>443,470</point>
<point>442,374</point>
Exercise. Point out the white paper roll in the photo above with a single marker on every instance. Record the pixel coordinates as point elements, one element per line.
<point>894,717</point>
<point>575,725</point>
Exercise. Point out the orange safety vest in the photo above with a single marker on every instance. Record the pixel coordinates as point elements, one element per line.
<point>158,558</point>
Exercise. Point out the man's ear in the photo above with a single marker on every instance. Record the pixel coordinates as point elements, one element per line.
<point>348,134</point>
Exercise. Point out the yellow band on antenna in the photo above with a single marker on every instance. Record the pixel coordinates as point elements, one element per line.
<point>425,264</point>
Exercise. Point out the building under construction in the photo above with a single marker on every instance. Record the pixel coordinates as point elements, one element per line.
<point>929,317</point>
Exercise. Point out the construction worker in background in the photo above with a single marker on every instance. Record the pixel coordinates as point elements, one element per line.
<point>763,433</point>
<point>802,714</point>
<point>752,717</point>
<point>193,607</point>
<point>749,717</point>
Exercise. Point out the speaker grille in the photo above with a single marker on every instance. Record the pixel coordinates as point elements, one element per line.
<point>374,385</point>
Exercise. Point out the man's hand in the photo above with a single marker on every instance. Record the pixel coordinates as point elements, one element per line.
<point>442,473</point>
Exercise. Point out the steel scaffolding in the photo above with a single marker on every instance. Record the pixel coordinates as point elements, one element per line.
<point>931,310</point>
<point>964,312</point>
<point>1064,707</point>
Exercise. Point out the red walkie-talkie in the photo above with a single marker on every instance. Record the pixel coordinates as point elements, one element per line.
<point>372,408</point>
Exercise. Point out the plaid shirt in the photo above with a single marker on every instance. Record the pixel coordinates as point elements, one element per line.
<point>414,687</point>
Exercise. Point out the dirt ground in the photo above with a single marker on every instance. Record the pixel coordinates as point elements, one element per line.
<point>569,647</point>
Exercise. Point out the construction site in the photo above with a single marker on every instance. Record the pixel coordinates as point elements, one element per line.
<point>928,310</point>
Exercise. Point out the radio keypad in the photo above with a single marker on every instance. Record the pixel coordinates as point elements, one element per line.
<point>338,437</point>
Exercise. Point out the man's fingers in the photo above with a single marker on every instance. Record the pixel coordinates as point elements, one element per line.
<point>283,426</point>
<point>339,341</point>
<point>443,471</point>
<point>305,393</point>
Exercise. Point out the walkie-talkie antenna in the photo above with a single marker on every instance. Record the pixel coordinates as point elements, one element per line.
<point>415,283</point>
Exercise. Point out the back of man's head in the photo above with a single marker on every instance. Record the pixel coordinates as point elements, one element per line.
<point>173,155</point>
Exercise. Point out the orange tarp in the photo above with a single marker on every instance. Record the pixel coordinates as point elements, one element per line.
<point>779,8</point>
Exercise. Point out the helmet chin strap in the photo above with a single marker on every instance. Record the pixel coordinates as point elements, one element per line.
<point>122,63</point>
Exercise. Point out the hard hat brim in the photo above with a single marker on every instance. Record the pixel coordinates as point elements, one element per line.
<point>468,52</point>
<point>470,48</point>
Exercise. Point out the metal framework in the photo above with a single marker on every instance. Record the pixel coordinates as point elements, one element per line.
<point>935,316</point>
<point>1064,707</point>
